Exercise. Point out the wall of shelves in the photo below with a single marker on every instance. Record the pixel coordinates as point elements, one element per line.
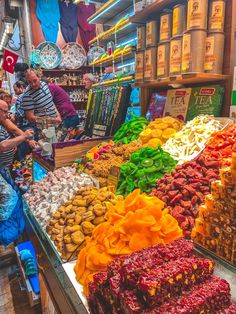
<point>151,12</point>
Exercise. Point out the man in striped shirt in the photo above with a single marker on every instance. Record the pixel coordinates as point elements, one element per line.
<point>37,100</point>
<point>10,137</point>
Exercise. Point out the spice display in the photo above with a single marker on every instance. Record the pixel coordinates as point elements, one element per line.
<point>190,141</point>
<point>159,131</point>
<point>205,100</point>
<point>143,169</point>
<point>77,219</point>
<point>189,280</point>
<point>215,226</point>
<point>54,190</point>
<point>117,155</point>
<point>184,189</point>
<point>129,131</point>
<point>137,222</point>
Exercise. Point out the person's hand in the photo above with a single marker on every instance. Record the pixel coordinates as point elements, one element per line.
<point>57,120</point>
<point>33,144</point>
<point>12,117</point>
<point>28,134</point>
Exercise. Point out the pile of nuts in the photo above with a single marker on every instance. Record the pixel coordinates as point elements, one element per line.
<point>73,222</point>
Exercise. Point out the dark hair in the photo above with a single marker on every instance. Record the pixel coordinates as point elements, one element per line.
<point>19,84</point>
<point>21,67</point>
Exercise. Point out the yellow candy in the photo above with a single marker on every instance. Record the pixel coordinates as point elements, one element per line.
<point>157,133</point>
<point>169,132</point>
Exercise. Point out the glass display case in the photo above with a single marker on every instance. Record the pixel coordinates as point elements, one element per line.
<point>59,276</point>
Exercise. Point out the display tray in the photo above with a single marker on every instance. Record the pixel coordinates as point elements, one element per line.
<point>69,269</point>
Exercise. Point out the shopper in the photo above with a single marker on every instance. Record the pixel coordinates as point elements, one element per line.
<point>10,138</point>
<point>37,100</point>
<point>88,80</point>
<point>65,107</point>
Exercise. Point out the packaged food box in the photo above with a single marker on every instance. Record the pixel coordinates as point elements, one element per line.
<point>205,100</point>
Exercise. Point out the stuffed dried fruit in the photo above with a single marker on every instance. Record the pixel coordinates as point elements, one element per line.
<point>144,168</point>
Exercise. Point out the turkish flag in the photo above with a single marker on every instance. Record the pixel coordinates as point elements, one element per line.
<point>9,61</point>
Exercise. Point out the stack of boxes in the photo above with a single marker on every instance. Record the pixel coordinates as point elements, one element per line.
<point>215,228</point>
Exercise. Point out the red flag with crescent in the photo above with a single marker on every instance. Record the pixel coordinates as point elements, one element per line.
<point>9,61</point>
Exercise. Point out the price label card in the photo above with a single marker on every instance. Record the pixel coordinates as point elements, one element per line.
<point>113,178</point>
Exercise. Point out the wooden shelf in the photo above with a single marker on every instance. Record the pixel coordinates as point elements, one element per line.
<point>126,29</point>
<point>109,11</point>
<point>150,12</point>
<point>118,59</point>
<point>185,79</point>
<point>71,86</point>
<point>80,70</point>
<point>129,78</point>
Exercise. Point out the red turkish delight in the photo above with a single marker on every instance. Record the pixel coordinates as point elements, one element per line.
<point>130,303</point>
<point>165,281</point>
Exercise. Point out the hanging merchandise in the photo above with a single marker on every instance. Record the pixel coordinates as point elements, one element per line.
<point>107,110</point>
<point>48,14</point>
<point>68,21</point>
<point>50,55</point>
<point>74,56</point>
<point>87,31</point>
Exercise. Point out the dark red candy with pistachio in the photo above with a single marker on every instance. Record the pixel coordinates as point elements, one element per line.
<point>172,278</point>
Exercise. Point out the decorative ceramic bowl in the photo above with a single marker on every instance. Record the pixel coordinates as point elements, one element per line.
<point>74,56</point>
<point>50,55</point>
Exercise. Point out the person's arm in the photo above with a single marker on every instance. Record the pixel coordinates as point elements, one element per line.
<point>58,116</point>
<point>30,116</point>
<point>14,142</point>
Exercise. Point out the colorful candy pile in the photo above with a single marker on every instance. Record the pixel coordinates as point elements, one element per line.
<point>184,189</point>
<point>191,140</point>
<point>115,156</point>
<point>96,152</point>
<point>159,131</point>
<point>22,172</point>
<point>77,219</point>
<point>215,227</point>
<point>129,131</point>
<point>222,145</point>
<point>58,187</point>
<point>144,168</point>
<point>137,222</point>
<point>154,271</point>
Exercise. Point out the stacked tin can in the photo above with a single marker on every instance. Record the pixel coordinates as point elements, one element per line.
<point>150,58</point>
<point>141,45</point>
<point>215,38</point>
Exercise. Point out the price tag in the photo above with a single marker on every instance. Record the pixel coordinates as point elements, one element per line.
<point>113,178</point>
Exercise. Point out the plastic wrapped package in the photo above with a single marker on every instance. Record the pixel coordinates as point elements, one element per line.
<point>8,199</point>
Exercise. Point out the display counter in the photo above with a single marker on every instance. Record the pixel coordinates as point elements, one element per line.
<point>59,277</point>
<point>63,293</point>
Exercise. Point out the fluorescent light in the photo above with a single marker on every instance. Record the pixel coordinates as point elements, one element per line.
<point>104,11</point>
<point>125,65</point>
<point>127,42</point>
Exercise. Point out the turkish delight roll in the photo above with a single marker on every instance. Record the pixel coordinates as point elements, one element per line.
<point>172,278</point>
<point>154,256</point>
<point>130,303</point>
<point>208,297</point>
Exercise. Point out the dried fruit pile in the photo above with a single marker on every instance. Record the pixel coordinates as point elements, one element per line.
<point>222,145</point>
<point>144,168</point>
<point>129,131</point>
<point>189,142</point>
<point>165,279</point>
<point>215,228</point>
<point>159,131</point>
<point>116,156</point>
<point>76,220</point>
<point>137,222</point>
<point>184,189</point>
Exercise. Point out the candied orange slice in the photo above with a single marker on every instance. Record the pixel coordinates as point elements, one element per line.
<point>162,126</point>
<point>157,133</point>
<point>169,132</point>
<point>154,142</point>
